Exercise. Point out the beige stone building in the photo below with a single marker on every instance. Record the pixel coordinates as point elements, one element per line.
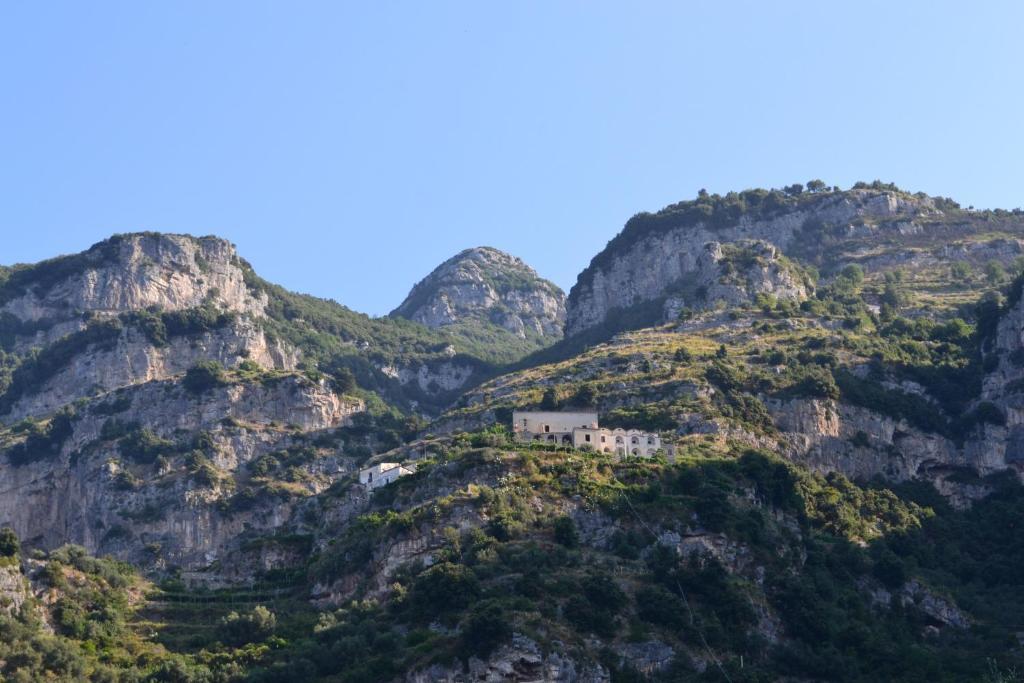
<point>581,430</point>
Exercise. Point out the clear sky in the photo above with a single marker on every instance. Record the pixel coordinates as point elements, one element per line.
<point>348,148</point>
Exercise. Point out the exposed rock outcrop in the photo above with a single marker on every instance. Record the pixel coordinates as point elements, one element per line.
<point>648,268</point>
<point>132,358</point>
<point>829,436</point>
<point>734,274</point>
<point>131,272</point>
<point>115,489</point>
<point>520,661</point>
<point>488,285</point>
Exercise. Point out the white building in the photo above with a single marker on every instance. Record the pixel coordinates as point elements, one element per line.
<point>581,430</point>
<point>382,474</point>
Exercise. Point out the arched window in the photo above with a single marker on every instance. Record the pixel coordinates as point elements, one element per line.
<point>650,440</point>
<point>635,440</point>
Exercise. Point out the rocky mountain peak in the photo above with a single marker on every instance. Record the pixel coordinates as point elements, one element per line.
<point>484,284</point>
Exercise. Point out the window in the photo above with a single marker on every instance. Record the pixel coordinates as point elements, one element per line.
<point>586,437</point>
<point>602,438</point>
<point>650,440</point>
<point>547,428</point>
<point>636,440</point>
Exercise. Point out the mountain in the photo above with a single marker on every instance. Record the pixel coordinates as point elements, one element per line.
<point>657,256</point>
<point>485,287</point>
<point>837,376</point>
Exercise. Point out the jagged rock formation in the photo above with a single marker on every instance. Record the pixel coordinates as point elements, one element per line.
<point>487,285</point>
<point>156,465</point>
<point>655,254</point>
<point>733,274</point>
<point>125,273</point>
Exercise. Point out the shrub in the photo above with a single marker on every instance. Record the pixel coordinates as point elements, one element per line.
<point>9,543</point>
<point>486,628</point>
<point>203,376</point>
<point>143,446</point>
<point>659,606</point>
<point>239,629</point>
<point>443,588</point>
<point>565,532</point>
<point>43,442</point>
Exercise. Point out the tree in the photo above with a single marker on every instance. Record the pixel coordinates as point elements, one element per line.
<point>485,629</point>
<point>442,588</point>
<point>550,399</point>
<point>722,352</point>
<point>893,295</point>
<point>9,543</point>
<point>239,629</point>
<point>565,532</point>
<point>343,381</point>
<point>586,396</point>
<point>815,185</point>
<point>853,273</point>
<point>794,189</point>
<point>994,272</point>
<point>960,271</point>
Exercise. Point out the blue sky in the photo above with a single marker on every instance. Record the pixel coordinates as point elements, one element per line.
<point>348,148</point>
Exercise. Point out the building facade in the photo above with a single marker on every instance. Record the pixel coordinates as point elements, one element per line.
<point>581,430</point>
<point>382,474</point>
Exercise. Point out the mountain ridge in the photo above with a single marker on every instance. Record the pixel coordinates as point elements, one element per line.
<point>845,417</point>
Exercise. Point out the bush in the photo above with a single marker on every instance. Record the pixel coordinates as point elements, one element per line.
<point>486,628</point>
<point>43,442</point>
<point>565,532</point>
<point>203,376</point>
<point>443,588</point>
<point>658,606</point>
<point>239,629</point>
<point>9,543</point>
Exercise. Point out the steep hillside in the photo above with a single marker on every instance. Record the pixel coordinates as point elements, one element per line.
<point>837,378</point>
<point>485,288</point>
<point>161,402</point>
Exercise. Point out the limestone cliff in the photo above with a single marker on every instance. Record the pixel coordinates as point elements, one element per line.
<point>654,254</point>
<point>125,273</point>
<point>735,274</point>
<point>157,474</point>
<point>487,285</point>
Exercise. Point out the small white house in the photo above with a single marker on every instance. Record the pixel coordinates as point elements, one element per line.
<point>382,474</point>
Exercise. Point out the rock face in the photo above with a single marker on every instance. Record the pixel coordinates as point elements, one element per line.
<point>13,589</point>
<point>121,454</point>
<point>485,284</point>
<point>116,487</point>
<point>829,436</point>
<point>132,272</point>
<point>735,273</point>
<point>132,358</point>
<point>634,271</point>
<point>522,660</point>
<point>1003,445</point>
